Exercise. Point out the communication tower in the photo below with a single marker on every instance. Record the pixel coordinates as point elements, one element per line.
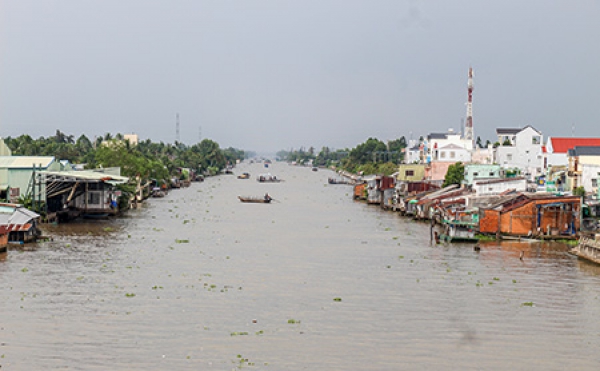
<point>469,120</point>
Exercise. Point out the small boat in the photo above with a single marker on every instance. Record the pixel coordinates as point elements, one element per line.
<point>268,178</point>
<point>244,176</point>
<point>338,181</point>
<point>315,169</point>
<point>257,200</point>
<point>458,231</point>
<point>157,192</point>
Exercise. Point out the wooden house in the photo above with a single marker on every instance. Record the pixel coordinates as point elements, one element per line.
<point>70,194</point>
<point>532,214</point>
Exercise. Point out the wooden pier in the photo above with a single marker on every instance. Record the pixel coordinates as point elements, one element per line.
<point>588,248</point>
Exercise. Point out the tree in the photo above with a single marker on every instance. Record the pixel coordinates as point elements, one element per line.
<point>579,191</point>
<point>455,174</point>
<point>479,142</point>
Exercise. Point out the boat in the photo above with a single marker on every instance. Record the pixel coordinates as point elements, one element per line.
<point>157,192</point>
<point>268,178</point>
<point>338,181</point>
<point>257,200</point>
<point>315,169</point>
<point>244,176</point>
<point>588,248</point>
<point>458,231</point>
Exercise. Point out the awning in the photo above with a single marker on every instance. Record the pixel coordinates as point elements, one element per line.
<point>413,201</point>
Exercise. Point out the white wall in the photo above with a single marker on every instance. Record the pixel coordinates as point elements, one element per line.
<point>523,154</point>
<point>520,185</point>
<point>588,174</point>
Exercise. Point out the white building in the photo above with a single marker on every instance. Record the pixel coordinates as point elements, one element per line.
<point>590,176</point>
<point>522,149</point>
<point>497,186</point>
<point>452,152</point>
<point>557,148</point>
<point>436,141</point>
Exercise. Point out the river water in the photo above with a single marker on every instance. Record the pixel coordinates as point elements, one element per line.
<point>313,281</point>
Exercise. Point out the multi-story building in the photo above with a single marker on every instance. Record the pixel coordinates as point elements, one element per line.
<point>522,149</point>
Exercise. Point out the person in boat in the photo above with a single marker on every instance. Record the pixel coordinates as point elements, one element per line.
<point>267,198</point>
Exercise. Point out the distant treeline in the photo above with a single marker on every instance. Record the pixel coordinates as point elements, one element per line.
<point>147,159</point>
<point>371,157</point>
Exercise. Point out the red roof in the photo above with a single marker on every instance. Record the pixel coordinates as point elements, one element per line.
<point>562,145</point>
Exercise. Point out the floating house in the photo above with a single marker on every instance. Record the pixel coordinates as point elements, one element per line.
<point>19,223</point>
<point>71,194</point>
<point>532,214</point>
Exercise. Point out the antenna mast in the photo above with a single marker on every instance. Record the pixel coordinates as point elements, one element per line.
<point>469,121</point>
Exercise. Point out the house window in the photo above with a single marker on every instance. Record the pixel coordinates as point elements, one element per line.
<point>539,170</point>
<point>452,154</point>
<point>475,174</point>
<point>509,157</point>
<point>491,173</point>
<point>442,154</point>
<point>536,139</point>
<point>94,198</point>
<point>594,182</point>
<point>490,189</point>
<point>409,173</point>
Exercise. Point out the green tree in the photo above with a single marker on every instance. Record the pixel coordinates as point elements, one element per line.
<point>579,191</point>
<point>455,174</point>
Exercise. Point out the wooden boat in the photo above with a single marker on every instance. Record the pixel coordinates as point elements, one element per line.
<point>158,193</point>
<point>315,169</point>
<point>268,178</point>
<point>258,200</point>
<point>338,181</point>
<point>458,231</point>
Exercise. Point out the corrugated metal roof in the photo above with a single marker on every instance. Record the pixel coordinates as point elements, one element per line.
<point>562,145</point>
<point>507,131</point>
<point>437,136</point>
<point>25,162</point>
<point>88,175</point>
<point>586,151</point>
<point>18,216</point>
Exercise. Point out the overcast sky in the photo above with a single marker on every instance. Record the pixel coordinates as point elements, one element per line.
<point>271,75</point>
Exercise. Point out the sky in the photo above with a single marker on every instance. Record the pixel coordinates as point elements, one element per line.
<point>267,75</point>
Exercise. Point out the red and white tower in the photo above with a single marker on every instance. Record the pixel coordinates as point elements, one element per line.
<point>469,120</point>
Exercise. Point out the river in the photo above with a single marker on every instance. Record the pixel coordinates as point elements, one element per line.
<point>312,281</point>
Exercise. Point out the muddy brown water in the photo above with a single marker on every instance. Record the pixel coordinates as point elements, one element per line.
<point>313,281</point>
